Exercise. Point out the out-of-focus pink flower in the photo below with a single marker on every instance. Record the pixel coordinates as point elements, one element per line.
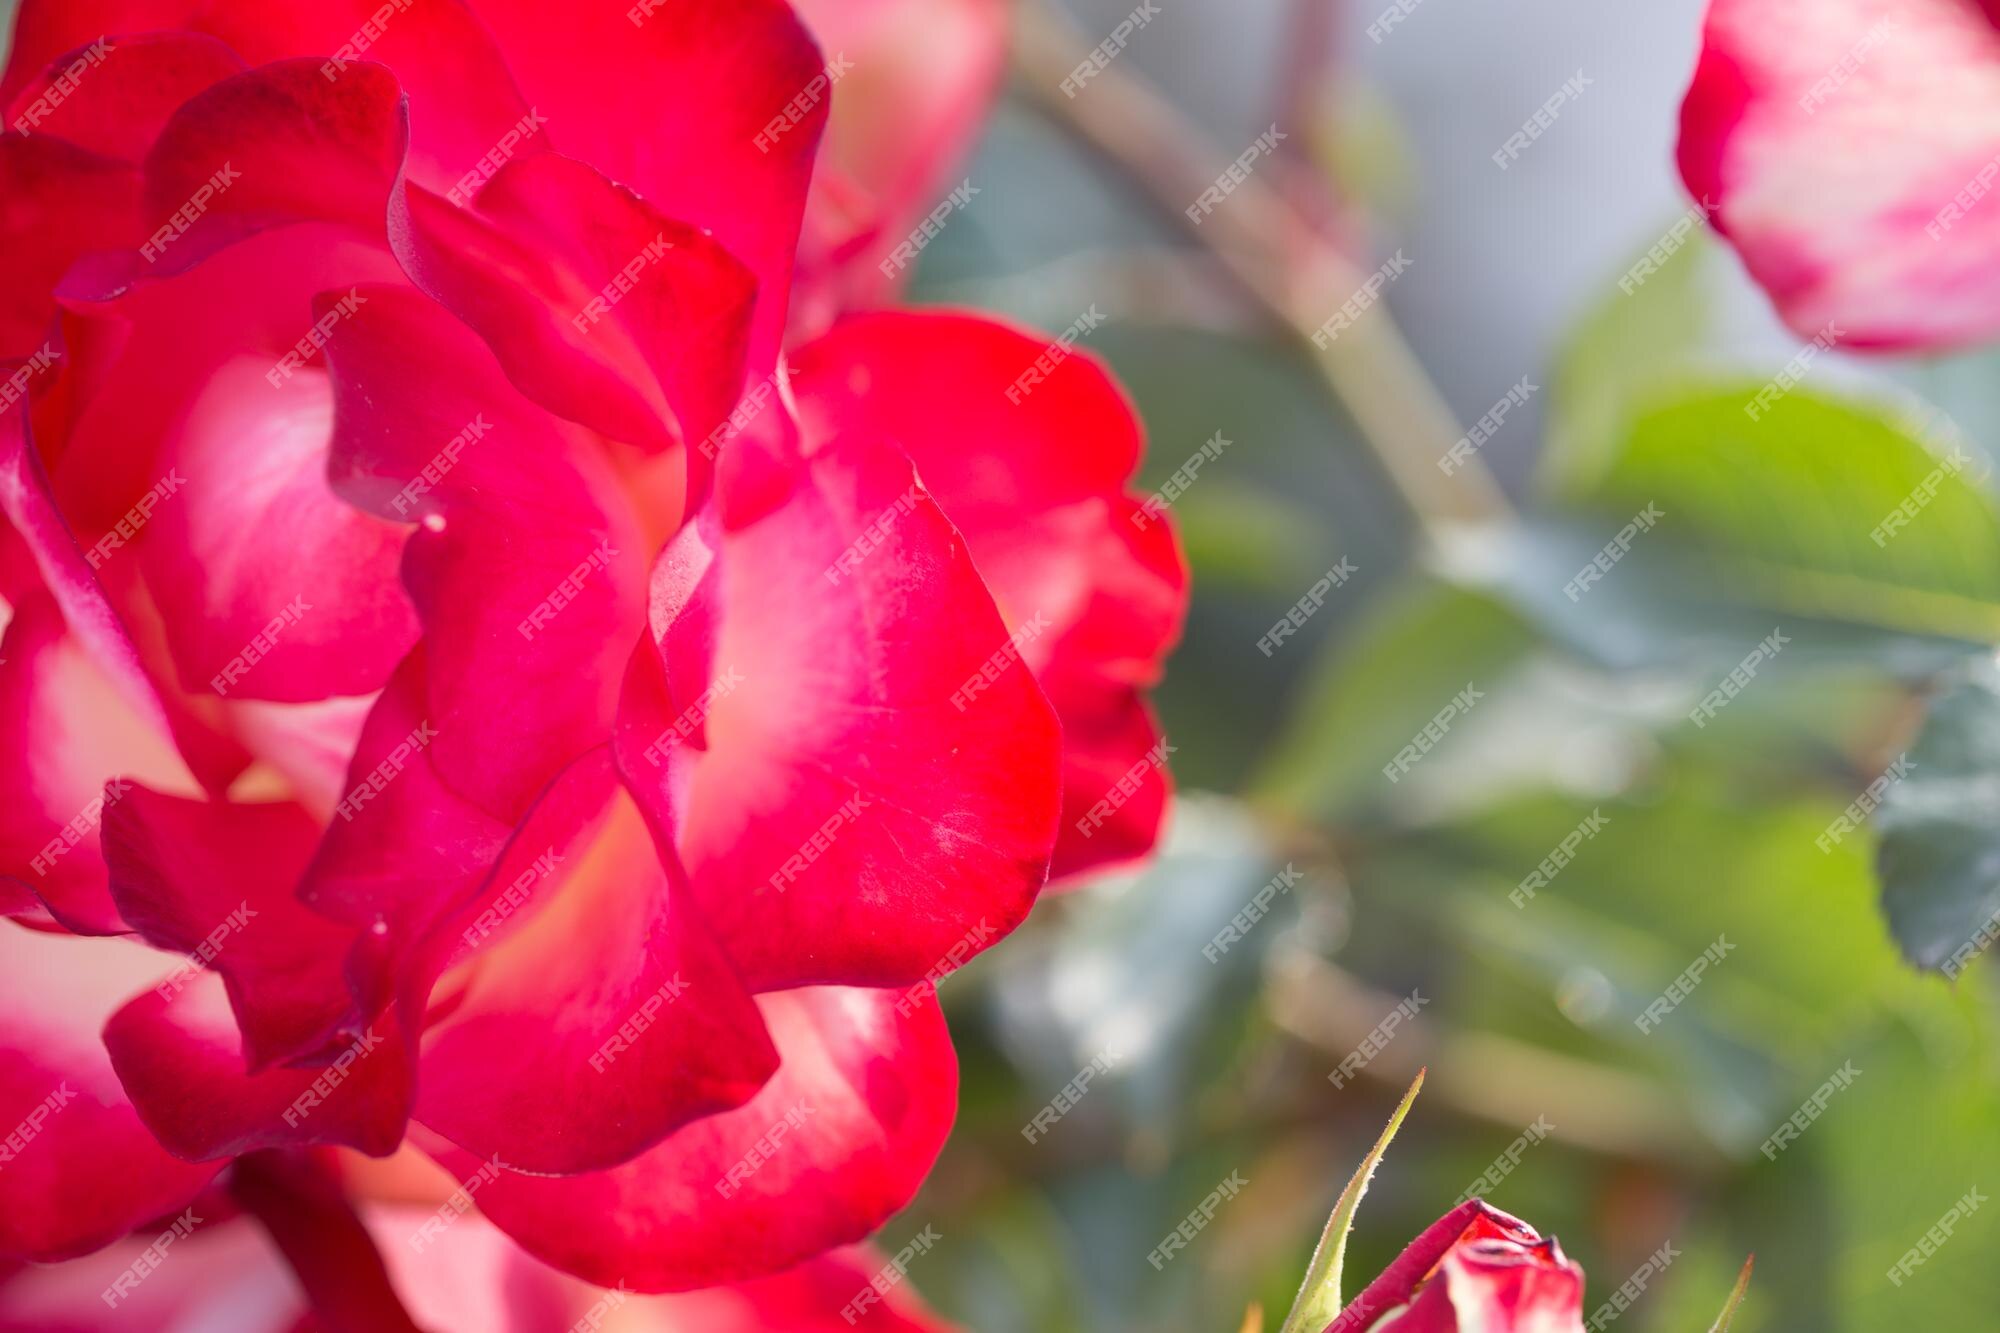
<point>924,74</point>
<point>1848,149</point>
<point>1474,1270</point>
<point>554,722</point>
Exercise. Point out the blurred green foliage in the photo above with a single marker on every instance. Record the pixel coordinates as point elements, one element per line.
<point>1709,830</point>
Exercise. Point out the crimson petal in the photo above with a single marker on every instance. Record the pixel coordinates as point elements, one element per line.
<point>848,823</point>
<point>601,308</point>
<point>179,1054</point>
<point>114,96</point>
<point>838,1140</point>
<point>214,881</point>
<point>1091,584</point>
<point>594,1015</point>
<point>275,145</point>
<point>79,1169</point>
<point>528,571</point>
<point>465,105</point>
<point>58,202</point>
<point>734,97</point>
<point>73,741</point>
<point>402,848</point>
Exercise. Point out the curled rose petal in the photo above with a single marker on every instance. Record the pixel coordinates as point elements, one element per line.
<point>440,54</point>
<point>58,202</point>
<point>837,1140</point>
<point>136,83</point>
<point>740,83</point>
<point>274,145</point>
<point>67,572</point>
<point>593,1015</point>
<point>269,585</point>
<point>214,881</point>
<point>1092,584</point>
<point>402,848</point>
<point>847,821</point>
<point>1475,1267</point>
<point>179,1055</point>
<point>1498,1284</point>
<point>528,568</point>
<point>74,744</point>
<point>77,1168</point>
<point>600,307</point>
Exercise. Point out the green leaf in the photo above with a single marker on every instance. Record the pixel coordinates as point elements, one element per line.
<point>1939,826</point>
<point>1633,348</point>
<point>1822,509</point>
<point>1728,1315</point>
<point>1376,688</point>
<point>1319,1301</point>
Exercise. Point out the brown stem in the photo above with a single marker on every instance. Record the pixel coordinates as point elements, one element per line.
<point>1280,261</point>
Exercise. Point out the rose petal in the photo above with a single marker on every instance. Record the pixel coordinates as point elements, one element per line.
<point>46,29</point>
<point>720,75</point>
<point>1092,586</point>
<point>28,504</point>
<point>601,308</point>
<point>180,1056</point>
<point>202,455</point>
<point>838,1140</point>
<point>465,105</point>
<point>214,881</point>
<point>1116,782</point>
<point>301,1204</point>
<point>57,203</point>
<point>73,742</point>
<point>595,1016</point>
<point>1834,140</point>
<point>114,95</point>
<point>307,745</point>
<point>402,849</point>
<point>1473,1220</point>
<point>224,1275</point>
<point>831,1293</point>
<point>275,145</point>
<point>456,1269</point>
<point>78,1168</point>
<point>847,822</point>
<point>529,569</point>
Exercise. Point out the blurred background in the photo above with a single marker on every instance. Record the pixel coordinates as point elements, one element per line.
<point>1718,837</point>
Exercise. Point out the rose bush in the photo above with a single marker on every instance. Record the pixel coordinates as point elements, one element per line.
<point>502,658</point>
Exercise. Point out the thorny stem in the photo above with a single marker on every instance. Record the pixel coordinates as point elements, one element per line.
<point>1280,260</point>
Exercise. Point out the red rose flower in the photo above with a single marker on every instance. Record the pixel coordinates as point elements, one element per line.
<point>552,719</point>
<point>1475,1268</point>
<point>1845,148</point>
